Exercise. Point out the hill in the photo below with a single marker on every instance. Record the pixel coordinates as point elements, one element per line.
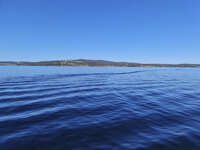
<point>87,62</point>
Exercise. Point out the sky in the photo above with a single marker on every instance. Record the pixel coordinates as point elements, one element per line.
<point>143,31</point>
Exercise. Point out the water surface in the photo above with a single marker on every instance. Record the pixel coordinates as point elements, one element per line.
<point>83,108</point>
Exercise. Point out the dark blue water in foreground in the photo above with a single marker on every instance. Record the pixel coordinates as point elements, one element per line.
<point>64,108</point>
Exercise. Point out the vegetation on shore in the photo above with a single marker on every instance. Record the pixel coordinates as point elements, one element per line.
<point>86,62</point>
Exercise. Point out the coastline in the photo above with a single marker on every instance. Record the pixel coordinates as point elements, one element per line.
<point>94,63</point>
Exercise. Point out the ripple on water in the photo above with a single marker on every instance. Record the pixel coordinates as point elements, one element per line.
<point>140,109</point>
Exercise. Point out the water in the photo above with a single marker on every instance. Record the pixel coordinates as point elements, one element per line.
<point>83,108</point>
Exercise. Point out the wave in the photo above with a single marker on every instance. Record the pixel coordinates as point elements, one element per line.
<point>137,110</point>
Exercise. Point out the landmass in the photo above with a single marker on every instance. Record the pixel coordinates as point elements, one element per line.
<point>87,62</point>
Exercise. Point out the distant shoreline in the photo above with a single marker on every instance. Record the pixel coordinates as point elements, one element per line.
<point>93,63</point>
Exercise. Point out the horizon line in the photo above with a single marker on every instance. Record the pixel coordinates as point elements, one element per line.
<point>49,60</point>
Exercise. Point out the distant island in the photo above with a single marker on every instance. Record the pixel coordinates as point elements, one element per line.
<point>87,62</point>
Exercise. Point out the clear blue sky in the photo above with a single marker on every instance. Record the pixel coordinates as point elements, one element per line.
<point>146,31</point>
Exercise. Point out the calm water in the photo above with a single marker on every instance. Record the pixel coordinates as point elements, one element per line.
<point>64,108</point>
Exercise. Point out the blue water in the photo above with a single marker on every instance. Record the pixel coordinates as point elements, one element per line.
<point>99,108</point>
